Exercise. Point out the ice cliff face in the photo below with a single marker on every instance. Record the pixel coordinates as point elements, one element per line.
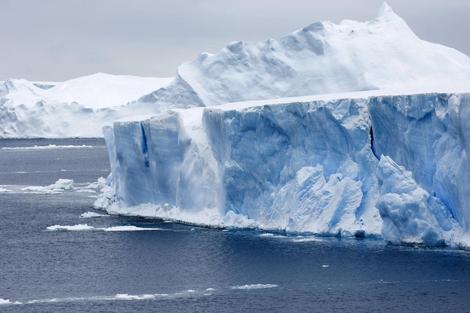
<point>394,166</point>
<point>321,58</point>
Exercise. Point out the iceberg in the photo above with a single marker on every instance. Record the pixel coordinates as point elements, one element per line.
<point>355,129</point>
<point>357,164</point>
<point>57,109</point>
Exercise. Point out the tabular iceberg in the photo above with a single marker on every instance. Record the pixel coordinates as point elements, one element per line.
<point>393,166</point>
<point>388,158</point>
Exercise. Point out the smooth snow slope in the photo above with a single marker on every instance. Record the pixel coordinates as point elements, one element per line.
<point>321,58</point>
<point>103,90</point>
<point>394,166</point>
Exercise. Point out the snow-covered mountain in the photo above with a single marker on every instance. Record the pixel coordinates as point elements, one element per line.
<point>321,58</point>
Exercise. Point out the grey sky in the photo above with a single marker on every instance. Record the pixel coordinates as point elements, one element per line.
<point>62,39</point>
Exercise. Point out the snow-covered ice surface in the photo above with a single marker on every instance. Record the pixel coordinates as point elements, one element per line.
<point>321,58</point>
<point>382,54</point>
<point>326,58</point>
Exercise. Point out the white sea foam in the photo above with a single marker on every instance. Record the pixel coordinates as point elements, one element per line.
<point>254,286</point>
<point>116,297</point>
<point>52,147</point>
<point>3,190</point>
<point>128,297</point>
<point>132,297</point>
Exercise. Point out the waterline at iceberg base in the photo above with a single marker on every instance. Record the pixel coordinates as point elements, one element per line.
<point>358,164</point>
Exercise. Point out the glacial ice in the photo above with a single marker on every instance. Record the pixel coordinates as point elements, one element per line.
<point>392,166</point>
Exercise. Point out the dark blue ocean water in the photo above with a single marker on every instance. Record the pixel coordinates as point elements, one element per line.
<point>190,269</point>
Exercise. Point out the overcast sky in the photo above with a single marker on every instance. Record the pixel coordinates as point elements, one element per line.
<point>61,39</point>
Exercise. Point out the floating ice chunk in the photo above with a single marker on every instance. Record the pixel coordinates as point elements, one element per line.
<point>57,187</point>
<point>90,214</point>
<point>79,227</point>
